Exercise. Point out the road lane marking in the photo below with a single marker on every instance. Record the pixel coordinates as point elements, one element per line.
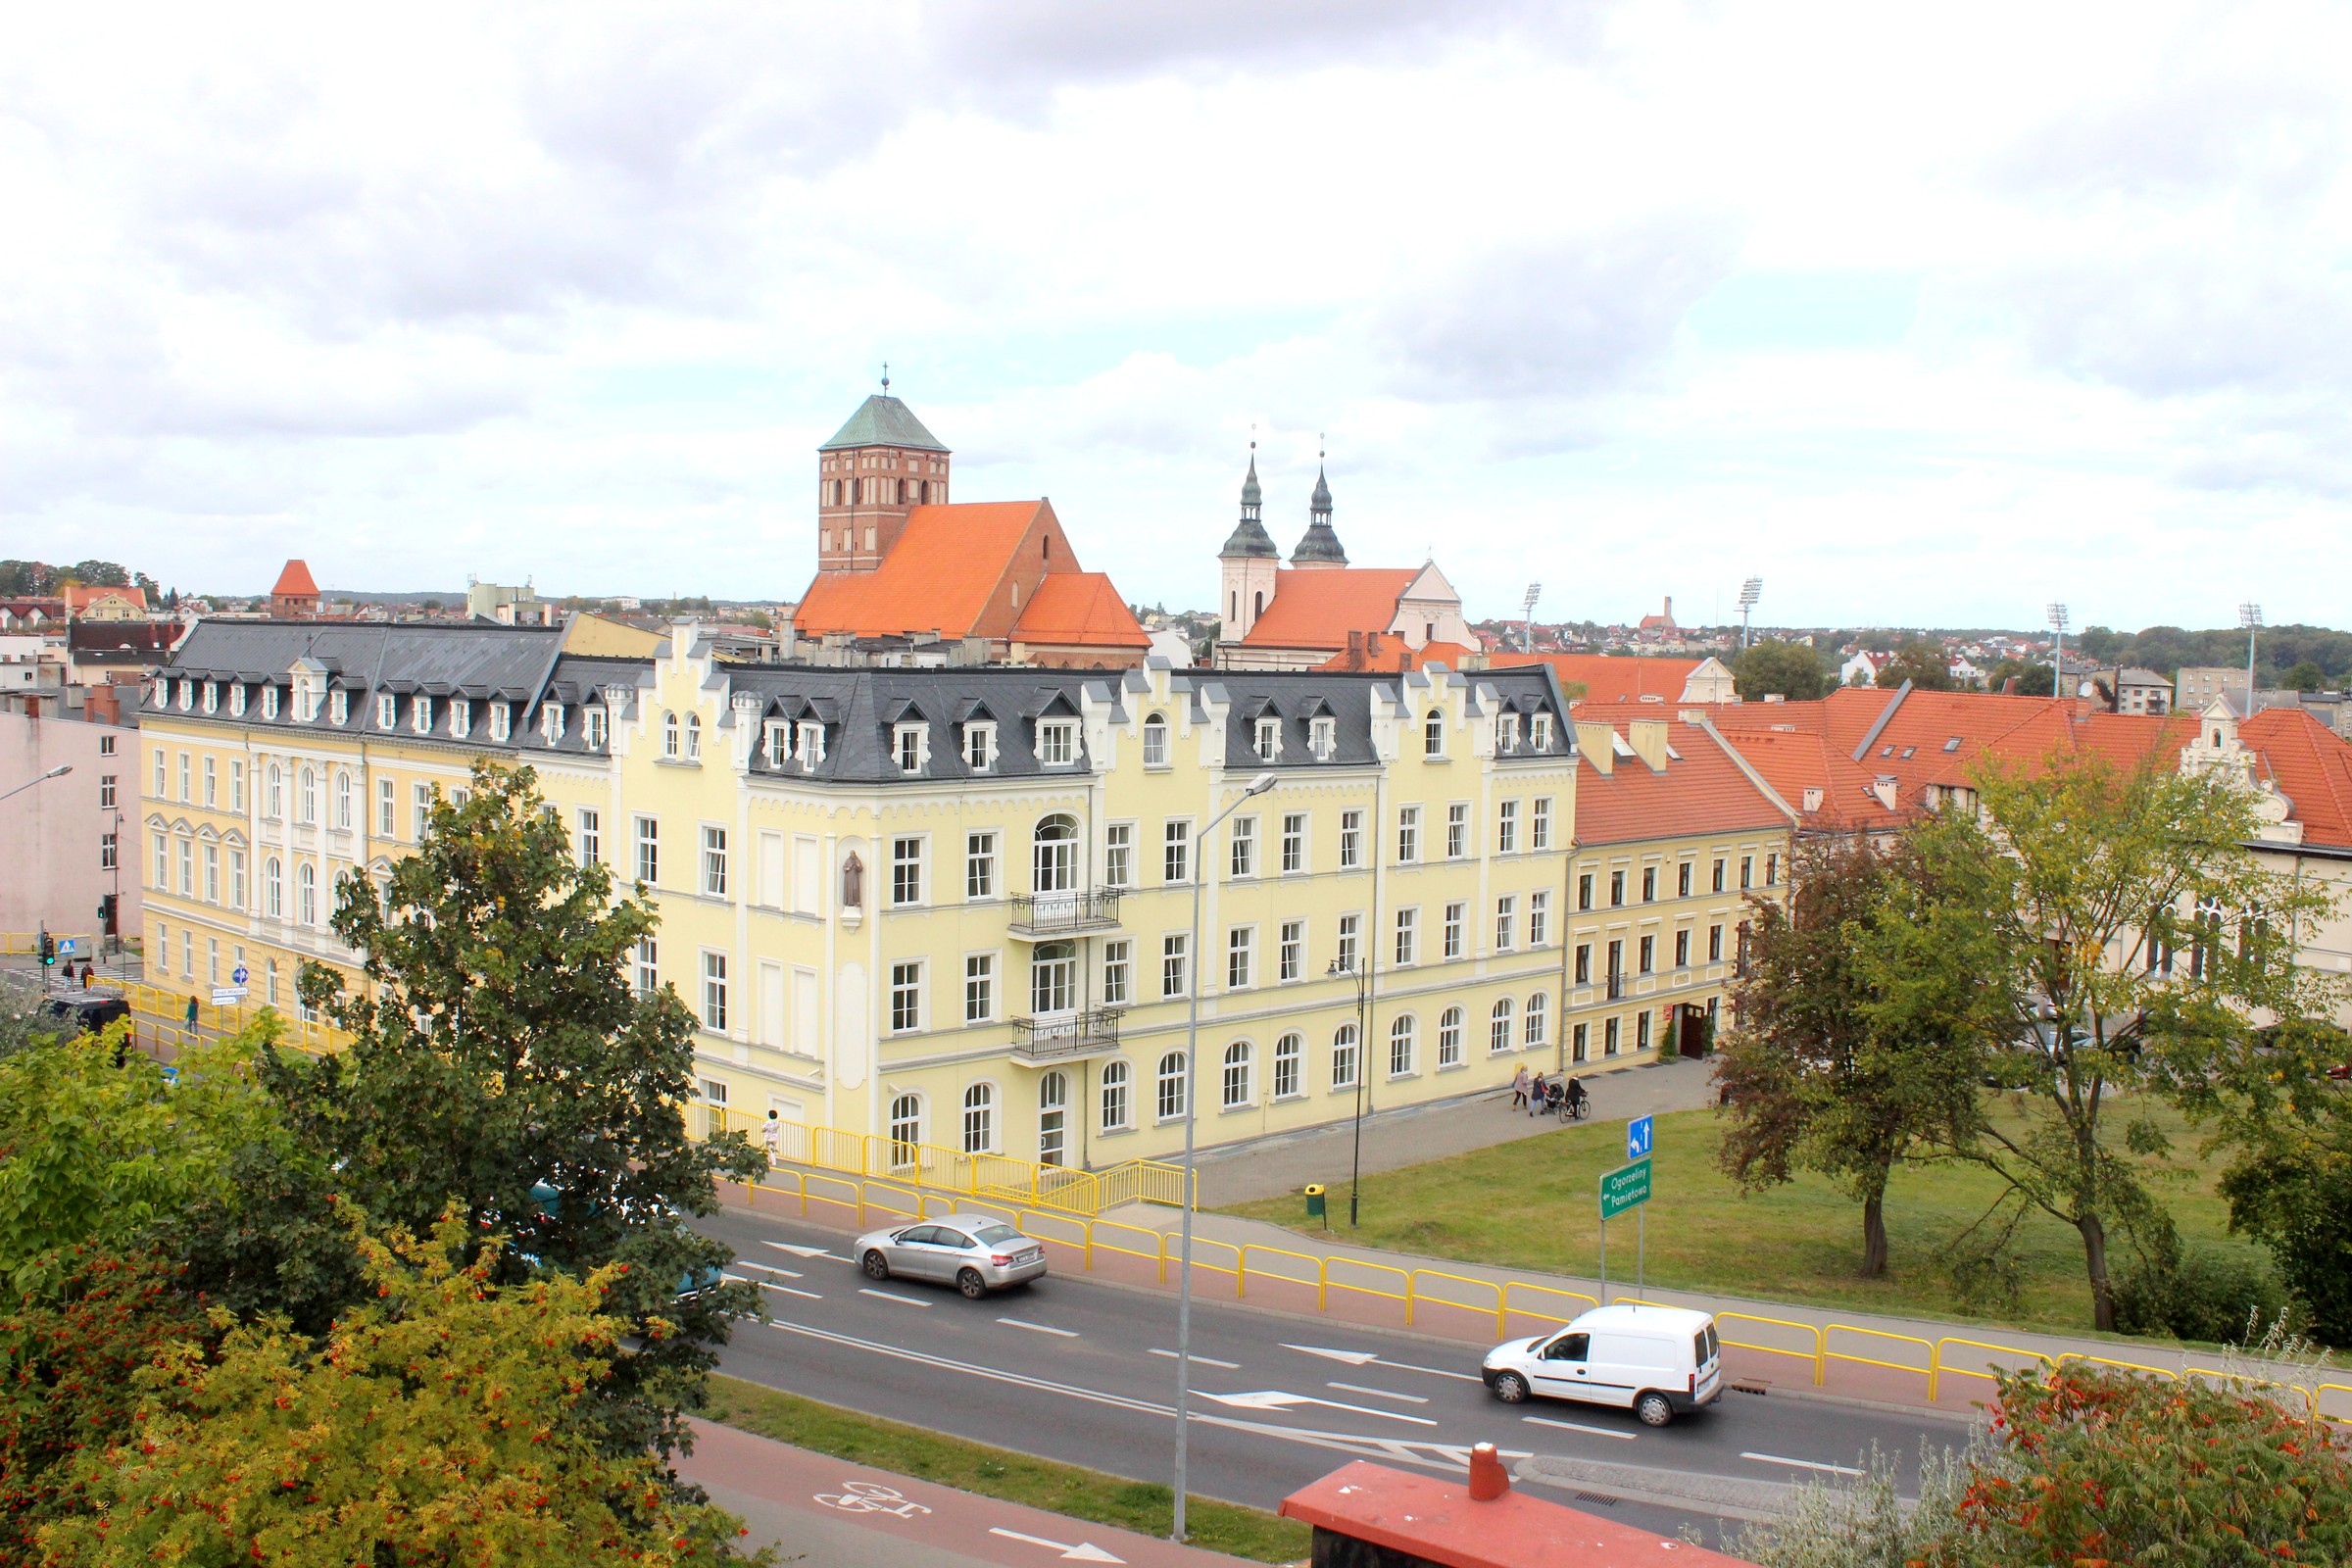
<point>769,1268</point>
<point>1802,1464</point>
<point>1083,1551</point>
<point>1277,1399</point>
<point>1358,1388</point>
<point>1038,1328</point>
<point>1374,1358</point>
<point>901,1353</point>
<point>1205,1360</point>
<point>889,1296</point>
<point>791,1291</point>
<point>803,1251</point>
<point>1572,1426</point>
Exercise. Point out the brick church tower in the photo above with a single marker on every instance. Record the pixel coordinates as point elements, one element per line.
<point>878,466</point>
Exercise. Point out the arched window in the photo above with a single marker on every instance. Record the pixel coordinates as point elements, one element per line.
<point>1449,1037</point>
<point>1053,1119</point>
<point>306,799</point>
<point>1433,735</point>
<point>1287,1052</point>
<point>1534,1020</point>
<point>1498,1030</point>
<point>1117,1107</point>
<point>901,492</point>
<point>1155,742</point>
<point>979,1119</point>
<point>669,735</point>
<point>1260,609</point>
<point>1054,855</point>
<point>273,888</point>
<point>342,800</point>
<point>1235,1085</point>
<point>306,895</point>
<point>926,493</point>
<point>1171,1086</point>
<point>905,1129</point>
<point>1342,1056</point>
<point>276,794</point>
<point>1400,1045</point>
<point>694,737</point>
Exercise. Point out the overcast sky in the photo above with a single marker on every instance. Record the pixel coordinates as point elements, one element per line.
<point>1924,314</point>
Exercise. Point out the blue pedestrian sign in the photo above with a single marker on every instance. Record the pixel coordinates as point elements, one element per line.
<point>1636,1138</point>
<point>238,976</point>
<point>65,946</point>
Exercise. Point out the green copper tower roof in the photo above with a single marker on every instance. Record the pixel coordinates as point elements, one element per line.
<point>1321,541</point>
<point>882,420</point>
<point>1249,536</point>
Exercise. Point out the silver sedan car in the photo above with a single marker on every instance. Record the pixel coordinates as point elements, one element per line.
<point>975,1253</point>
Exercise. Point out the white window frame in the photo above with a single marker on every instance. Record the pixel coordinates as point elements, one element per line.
<point>713,1011</point>
<point>906,999</point>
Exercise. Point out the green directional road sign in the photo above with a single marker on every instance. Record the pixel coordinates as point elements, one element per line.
<point>1624,1188</point>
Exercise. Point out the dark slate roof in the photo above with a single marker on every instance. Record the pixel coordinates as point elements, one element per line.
<point>1250,538</point>
<point>882,420</point>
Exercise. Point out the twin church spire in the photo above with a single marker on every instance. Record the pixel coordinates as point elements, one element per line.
<point>1319,547</point>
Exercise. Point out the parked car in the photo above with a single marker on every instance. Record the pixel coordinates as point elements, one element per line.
<point>86,1013</point>
<point>1656,1361</point>
<point>975,1253</point>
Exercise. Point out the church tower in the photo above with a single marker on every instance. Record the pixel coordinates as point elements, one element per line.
<point>1248,563</point>
<point>878,466</point>
<point>1320,548</point>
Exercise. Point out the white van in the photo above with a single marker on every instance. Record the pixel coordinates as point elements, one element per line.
<point>1656,1361</point>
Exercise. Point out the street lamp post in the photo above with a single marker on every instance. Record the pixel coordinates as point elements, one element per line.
<point>58,772</point>
<point>1361,973</point>
<point>1192,1063</point>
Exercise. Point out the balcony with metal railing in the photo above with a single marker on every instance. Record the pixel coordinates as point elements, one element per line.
<point>1065,1035</point>
<point>1050,917</point>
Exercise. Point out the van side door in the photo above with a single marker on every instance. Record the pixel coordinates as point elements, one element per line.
<point>1559,1369</point>
<point>1615,1372</point>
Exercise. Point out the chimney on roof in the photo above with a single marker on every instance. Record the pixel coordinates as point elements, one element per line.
<point>1488,1480</point>
<point>1598,743</point>
<point>1647,737</point>
<point>1372,645</point>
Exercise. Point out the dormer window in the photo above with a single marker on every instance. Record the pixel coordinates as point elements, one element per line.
<point>550,723</point>
<point>1056,741</point>
<point>775,737</point>
<point>1510,732</point>
<point>420,714</point>
<point>339,706</point>
<point>1323,738</point>
<point>694,737</point>
<point>979,747</point>
<point>809,745</point>
<point>212,695</point>
<point>1433,735</point>
<point>501,721</point>
<point>461,717</point>
<point>387,710</point>
<point>162,693</point>
<point>1155,742</point>
<point>906,745</point>
<point>187,695</point>
<point>1269,739</point>
<point>1540,728</point>
<point>669,736</point>
<point>270,702</point>
<point>594,720</point>
<point>236,701</point>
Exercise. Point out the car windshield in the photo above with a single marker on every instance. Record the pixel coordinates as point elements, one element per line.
<point>995,1234</point>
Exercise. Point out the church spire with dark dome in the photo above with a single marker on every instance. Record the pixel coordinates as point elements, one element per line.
<point>1249,536</point>
<point>1320,546</point>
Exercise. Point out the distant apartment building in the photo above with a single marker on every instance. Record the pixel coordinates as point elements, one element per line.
<point>2199,684</point>
<point>2144,691</point>
<point>62,839</point>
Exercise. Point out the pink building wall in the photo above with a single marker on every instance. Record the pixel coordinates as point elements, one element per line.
<point>52,861</point>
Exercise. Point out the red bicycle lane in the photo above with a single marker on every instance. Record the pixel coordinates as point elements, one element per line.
<point>828,1512</point>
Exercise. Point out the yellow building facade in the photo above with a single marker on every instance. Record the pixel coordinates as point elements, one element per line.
<point>954,906</point>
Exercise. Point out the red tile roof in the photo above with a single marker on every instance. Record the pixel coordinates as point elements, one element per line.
<point>940,577</point>
<point>1611,679</point>
<point>1080,609</point>
<point>1319,608</point>
<point>80,596</point>
<point>1702,790</point>
<point>2312,766</point>
<point>295,582</point>
<point>1794,761</point>
<point>1383,652</point>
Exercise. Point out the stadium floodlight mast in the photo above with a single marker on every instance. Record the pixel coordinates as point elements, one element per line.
<point>1527,618</point>
<point>1749,592</point>
<point>2250,617</point>
<point>1192,1062</point>
<point>2058,619</point>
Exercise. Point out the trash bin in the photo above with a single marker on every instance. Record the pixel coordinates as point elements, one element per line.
<point>1315,1201</point>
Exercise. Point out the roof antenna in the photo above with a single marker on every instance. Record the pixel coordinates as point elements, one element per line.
<point>886,379</point>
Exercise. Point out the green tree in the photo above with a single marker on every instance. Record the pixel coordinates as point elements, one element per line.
<point>1924,665</point>
<point>2306,676</point>
<point>99,573</point>
<point>2105,934</point>
<point>430,1427</point>
<point>501,1061</point>
<point>2033,679</point>
<point>1810,1079</point>
<point>1774,668</point>
<point>2292,1187</point>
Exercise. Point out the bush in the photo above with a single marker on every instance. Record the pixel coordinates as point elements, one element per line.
<point>2201,1295</point>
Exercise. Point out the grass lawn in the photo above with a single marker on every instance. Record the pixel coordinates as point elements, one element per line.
<point>1532,1204</point>
<point>1063,1489</point>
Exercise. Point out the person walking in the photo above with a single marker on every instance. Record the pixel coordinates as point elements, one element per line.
<point>1535,1097</point>
<point>85,974</point>
<point>772,1134</point>
<point>1519,1088</point>
<point>191,1014</point>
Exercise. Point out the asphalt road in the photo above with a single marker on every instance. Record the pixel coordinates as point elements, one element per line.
<point>1084,1372</point>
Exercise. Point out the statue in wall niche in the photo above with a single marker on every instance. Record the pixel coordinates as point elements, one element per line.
<point>852,882</point>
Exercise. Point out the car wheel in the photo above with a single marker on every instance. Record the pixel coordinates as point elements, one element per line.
<point>1511,1388</point>
<point>877,1267</point>
<point>971,1284</point>
<point>1654,1410</point>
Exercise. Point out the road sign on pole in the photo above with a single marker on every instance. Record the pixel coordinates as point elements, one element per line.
<point>1627,1187</point>
<point>1636,1138</point>
<point>238,976</point>
<point>65,946</point>
<point>227,996</point>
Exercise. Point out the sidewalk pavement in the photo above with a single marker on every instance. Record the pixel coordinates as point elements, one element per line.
<point>830,1513</point>
<point>1268,1167</point>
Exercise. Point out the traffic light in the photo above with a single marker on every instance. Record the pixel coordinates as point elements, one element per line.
<point>48,951</point>
<point>106,914</point>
